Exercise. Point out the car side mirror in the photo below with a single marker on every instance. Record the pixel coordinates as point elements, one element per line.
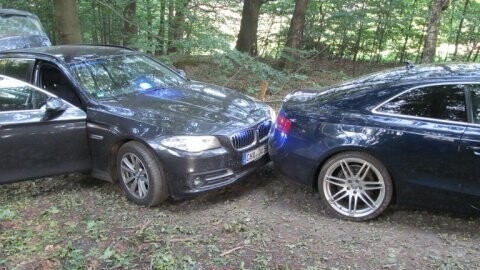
<point>182,73</point>
<point>55,104</point>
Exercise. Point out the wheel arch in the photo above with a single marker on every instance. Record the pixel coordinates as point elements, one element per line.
<point>112,157</point>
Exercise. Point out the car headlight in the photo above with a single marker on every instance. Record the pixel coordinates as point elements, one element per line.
<point>273,114</point>
<point>191,143</point>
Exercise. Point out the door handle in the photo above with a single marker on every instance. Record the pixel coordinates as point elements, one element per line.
<point>475,150</point>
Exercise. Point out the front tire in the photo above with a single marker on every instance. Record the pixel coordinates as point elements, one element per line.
<point>355,186</point>
<point>140,175</point>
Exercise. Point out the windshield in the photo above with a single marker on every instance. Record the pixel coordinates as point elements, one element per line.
<point>123,75</point>
<point>15,25</point>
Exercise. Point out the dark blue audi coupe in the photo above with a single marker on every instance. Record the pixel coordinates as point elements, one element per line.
<point>407,135</point>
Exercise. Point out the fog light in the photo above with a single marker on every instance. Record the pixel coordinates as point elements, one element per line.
<point>197,181</point>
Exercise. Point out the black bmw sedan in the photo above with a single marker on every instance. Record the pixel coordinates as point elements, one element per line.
<point>123,116</point>
<point>407,135</point>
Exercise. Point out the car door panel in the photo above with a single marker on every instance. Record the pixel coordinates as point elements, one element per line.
<point>470,145</point>
<point>36,143</point>
<point>423,152</point>
<point>33,147</point>
<point>427,124</point>
<point>470,156</point>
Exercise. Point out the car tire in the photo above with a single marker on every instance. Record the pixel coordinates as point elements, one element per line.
<point>140,175</point>
<point>355,186</point>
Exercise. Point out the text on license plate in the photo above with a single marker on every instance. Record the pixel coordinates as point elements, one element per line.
<point>254,154</point>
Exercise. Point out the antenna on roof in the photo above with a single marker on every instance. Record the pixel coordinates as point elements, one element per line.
<point>409,65</point>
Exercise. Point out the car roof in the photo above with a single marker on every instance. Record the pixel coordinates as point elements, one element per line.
<point>412,75</point>
<point>73,53</point>
<point>405,76</point>
<point>421,73</point>
<point>9,11</point>
<point>373,88</point>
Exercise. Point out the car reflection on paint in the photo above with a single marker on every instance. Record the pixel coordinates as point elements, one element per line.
<point>120,115</point>
<point>407,135</point>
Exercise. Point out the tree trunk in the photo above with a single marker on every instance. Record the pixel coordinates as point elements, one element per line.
<point>171,10</point>
<point>161,44</point>
<point>359,37</point>
<point>95,23</point>
<point>179,23</point>
<point>150,34</point>
<point>403,52</point>
<point>460,26</point>
<point>247,37</point>
<point>431,35</point>
<point>384,31</point>
<point>295,35</point>
<point>103,32</point>
<point>129,28</point>
<point>473,41</point>
<point>66,19</point>
<point>476,54</point>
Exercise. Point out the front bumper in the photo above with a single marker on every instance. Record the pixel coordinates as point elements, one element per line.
<point>192,173</point>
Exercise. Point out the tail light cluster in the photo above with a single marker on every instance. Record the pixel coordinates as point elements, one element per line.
<point>283,123</point>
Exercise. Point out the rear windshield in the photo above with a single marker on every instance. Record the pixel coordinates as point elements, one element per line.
<point>17,25</point>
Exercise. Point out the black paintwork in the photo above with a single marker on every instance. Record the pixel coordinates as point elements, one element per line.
<point>432,162</point>
<point>189,108</point>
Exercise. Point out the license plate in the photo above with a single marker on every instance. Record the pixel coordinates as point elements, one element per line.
<point>254,154</point>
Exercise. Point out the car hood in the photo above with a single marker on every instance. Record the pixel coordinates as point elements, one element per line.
<point>20,42</point>
<point>191,108</point>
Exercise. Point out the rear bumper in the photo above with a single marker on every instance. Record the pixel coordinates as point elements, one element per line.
<point>291,157</point>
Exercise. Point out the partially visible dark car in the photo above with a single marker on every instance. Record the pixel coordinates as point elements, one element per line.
<point>21,29</point>
<point>409,135</point>
<point>124,116</point>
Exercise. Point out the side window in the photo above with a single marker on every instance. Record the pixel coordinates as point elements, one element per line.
<point>54,81</point>
<point>444,102</point>
<point>475,94</point>
<point>18,96</point>
<point>17,68</point>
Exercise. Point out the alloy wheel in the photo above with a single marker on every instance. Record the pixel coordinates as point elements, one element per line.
<point>354,187</point>
<point>134,175</point>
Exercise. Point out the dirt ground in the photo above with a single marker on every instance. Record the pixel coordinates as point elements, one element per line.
<point>262,222</point>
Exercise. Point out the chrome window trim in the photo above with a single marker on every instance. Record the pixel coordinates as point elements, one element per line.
<point>48,94</point>
<point>9,57</point>
<point>375,112</point>
<point>21,111</point>
<point>70,114</point>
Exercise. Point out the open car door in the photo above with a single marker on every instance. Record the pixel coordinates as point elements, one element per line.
<point>40,134</point>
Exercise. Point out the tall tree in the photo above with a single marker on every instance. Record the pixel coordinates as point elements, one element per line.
<point>178,24</point>
<point>162,30</point>
<point>460,26</point>
<point>430,43</point>
<point>129,27</point>
<point>247,37</point>
<point>66,19</point>
<point>295,35</point>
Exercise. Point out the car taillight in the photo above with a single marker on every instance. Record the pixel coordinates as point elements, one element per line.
<point>283,124</point>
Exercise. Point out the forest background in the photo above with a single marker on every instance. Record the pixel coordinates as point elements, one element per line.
<point>280,43</point>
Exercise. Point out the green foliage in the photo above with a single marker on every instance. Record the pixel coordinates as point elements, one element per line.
<point>6,214</point>
<point>165,260</point>
<point>232,61</point>
<point>366,30</point>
